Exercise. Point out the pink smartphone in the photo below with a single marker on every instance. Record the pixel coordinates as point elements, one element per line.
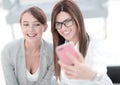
<point>62,50</point>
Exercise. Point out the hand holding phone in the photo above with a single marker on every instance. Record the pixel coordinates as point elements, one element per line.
<point>62,51</point>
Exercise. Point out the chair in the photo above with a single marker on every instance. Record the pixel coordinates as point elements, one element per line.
<point>89,8</point>
<point>114,73</point>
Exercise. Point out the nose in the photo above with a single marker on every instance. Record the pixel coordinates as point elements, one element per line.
<point>31,27</point>
<point>63,26</point>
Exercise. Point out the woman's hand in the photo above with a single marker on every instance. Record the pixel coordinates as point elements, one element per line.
<point>79,69</point>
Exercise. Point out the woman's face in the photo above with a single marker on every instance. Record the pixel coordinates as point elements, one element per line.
<point>32,29</point>
<point>67,27</point>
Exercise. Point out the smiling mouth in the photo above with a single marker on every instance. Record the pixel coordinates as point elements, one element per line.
<point>66,32</point>
<point>31,35</point>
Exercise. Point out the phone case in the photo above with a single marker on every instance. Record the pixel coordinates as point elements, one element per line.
<point>61,53</point>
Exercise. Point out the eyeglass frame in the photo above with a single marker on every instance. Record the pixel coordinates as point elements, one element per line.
<point>64,23</point>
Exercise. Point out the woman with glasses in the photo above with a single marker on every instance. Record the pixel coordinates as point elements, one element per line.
<point>29,61</point>
<point>67,25</point>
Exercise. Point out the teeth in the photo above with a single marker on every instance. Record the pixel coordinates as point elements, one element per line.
<point>66,32</point>
<point>31,35</point>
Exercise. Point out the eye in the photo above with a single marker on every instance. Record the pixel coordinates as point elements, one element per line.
<point>37,24</point>
<point>25,24</point>
<point>67,22</point>
<point>57,24</point>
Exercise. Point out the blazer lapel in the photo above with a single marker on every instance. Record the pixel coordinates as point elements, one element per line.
<point>21,65</point>
<point>43,63</point>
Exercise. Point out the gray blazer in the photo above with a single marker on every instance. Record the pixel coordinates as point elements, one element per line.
<point>14,64</point>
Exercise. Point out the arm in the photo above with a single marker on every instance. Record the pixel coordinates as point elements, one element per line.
<point>86,70</point>
<point>81,72</point>
<point>8,69</point>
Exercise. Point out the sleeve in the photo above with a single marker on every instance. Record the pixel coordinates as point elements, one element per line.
<point>96,56</point>
<point>96,59</point>
<point>8,69</point>
<point>105,80</point>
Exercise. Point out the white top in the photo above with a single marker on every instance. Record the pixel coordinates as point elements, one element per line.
<point>94,59</point>
<point>32,77</point>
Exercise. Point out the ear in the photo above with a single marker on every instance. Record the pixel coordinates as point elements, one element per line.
<point>45,27</point>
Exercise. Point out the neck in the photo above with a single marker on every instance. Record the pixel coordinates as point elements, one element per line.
<point>74,42</point>
<point>32,46</point>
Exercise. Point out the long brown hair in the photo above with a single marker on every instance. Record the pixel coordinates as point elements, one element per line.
<point>70,7</point>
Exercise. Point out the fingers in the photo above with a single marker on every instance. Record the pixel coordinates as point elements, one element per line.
<point>71,75</point>
<point>73,71</point>
<point>75,59</point>
<point>69,71</point>
<point>65,67</point>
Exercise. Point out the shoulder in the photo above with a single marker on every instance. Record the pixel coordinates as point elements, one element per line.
<point>96,55</point>
<point>13,45</point>
<point>47,49</point>
<point>95,43</point>
<point>10,51</point>
<point>47,45</point>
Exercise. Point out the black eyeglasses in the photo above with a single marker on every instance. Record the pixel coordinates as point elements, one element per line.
<point>66,23</point>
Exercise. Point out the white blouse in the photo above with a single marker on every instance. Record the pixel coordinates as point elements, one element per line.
<point>94,59</point>
<point>33,77</point>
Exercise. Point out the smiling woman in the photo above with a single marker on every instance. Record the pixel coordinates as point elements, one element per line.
<point>30,62</point>
<point>87,66</point>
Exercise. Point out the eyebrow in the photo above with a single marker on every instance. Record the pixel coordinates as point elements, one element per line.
<point>63,20</point>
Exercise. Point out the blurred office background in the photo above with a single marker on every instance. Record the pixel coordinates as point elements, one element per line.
<point>104,27</point>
